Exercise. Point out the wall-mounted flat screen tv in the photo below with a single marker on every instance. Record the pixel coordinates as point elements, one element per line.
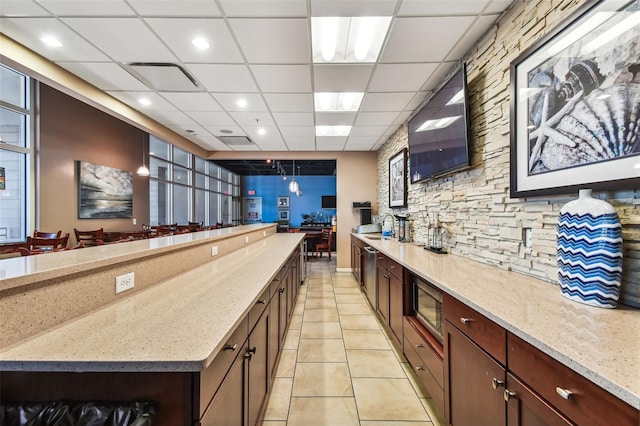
<point>328,201</point>
<point>439,132</point>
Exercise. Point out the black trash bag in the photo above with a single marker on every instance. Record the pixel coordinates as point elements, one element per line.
<point>71,413</point>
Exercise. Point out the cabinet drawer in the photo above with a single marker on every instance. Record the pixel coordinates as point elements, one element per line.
<point>427,354</point>
<point>587,404</point>
<point>432,386</point>
<point>258,308</point>
<point>212,376</point>
<point>381,260</point>
<point>484,332</point>
<point>394,268</point>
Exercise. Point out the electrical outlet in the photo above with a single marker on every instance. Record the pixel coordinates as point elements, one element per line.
<point>134,221</point>
<point>214,251</point>
<point>246,240</point>
<point>124,282</point>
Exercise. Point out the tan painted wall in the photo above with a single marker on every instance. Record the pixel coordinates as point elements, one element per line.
<point>71,130</point>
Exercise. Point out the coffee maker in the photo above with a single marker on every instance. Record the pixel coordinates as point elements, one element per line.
<point>403,232</point>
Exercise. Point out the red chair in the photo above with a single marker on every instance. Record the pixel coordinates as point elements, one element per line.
<point>324,245</point>
<point>39,234</point>
<point>37,245</point>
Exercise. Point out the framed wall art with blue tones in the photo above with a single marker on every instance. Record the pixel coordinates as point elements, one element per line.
<point>575,104</point>
<point>104,192</point>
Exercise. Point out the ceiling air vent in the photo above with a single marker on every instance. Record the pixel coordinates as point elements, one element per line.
<point>235,140</point>
<point>163,77</point>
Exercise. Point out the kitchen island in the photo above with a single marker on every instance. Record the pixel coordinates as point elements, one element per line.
<point>174,342</point>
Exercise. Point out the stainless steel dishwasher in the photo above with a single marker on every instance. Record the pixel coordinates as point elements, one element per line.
<point>370,274</point>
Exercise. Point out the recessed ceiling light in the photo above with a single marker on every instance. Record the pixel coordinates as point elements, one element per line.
<point>331,101</point>
<point>200,43</point>
<point>51,41</point>
<point>144,101</point>
<point>333,130</point>
<point>261,131</point>
<point>242,103</point>
<point>226,131</point>
<point>345,39</point>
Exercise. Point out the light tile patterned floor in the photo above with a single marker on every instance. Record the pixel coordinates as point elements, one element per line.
<point>338,367</point>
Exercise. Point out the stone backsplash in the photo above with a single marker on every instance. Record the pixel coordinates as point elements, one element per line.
<point>481,221</point>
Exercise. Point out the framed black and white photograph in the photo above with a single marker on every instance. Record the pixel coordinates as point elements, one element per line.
<point>398,180</point>
<point>104,192</point>
<point>283,201</point>
<point>575,104</point>
<point>283,214</point>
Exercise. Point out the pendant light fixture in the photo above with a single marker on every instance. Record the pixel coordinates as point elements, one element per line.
<point>143,170</point>
<point>293,185</point>
<point>299,191</point>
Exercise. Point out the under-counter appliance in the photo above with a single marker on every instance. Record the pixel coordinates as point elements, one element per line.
<point>370,273</point>
<point>427,306</point>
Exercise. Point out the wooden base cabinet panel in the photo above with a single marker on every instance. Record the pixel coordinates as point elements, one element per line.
<point>258,368</point>
<point>526,408</point>
<point>470,399</point>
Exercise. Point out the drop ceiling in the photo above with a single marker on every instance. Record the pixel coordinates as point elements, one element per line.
<point>260,51</point>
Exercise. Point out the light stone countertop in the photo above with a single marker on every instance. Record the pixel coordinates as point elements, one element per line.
<point>602,345</point>
<point>177,325</point>
<point>19,271</point>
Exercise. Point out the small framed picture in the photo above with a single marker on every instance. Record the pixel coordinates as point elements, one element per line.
<point>283,202</point>
<point>283,215</point>
<point>398,179</point>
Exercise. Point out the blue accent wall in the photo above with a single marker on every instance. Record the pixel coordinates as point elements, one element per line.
<point>270,187</point>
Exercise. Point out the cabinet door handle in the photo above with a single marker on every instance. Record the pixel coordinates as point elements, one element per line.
<point>419,345</point>
<point>252,350</point>
<point>507,395</point>
<point>386,276</point>
<point>495,383</point>
<point>466,320</point>
<point>261,302</point>
<point>419,368</point>
<point>230,347</point>
<point>282,290</point>
<point>565,393</point>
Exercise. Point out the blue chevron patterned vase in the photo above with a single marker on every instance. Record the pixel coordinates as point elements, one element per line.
<point>589,244</point>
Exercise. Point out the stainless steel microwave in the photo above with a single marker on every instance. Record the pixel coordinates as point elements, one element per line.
<point>427,306</point>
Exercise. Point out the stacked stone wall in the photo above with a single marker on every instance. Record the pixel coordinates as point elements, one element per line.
<point>481,221</point>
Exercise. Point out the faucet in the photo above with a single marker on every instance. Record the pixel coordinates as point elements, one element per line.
<point>393,224</point>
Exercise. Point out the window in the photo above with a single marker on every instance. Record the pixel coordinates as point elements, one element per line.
<point>15,154</point>
<point>185,188</point>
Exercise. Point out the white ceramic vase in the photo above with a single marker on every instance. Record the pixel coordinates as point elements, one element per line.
<point>589,251</point>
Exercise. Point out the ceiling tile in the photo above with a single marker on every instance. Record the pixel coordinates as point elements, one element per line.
<point>498,6</point>
<point>402,117</point>
<point>224,78</point>
<point>244,118</point>
<point>179,33</point>
<point>293,118</point>
<point>375,118</point>
<point>409,38</point>
<point>283,78</point>
<point>104,75</point>
<point>198,8</point>
<point>386,101</point>
<point>441,7</point>
<point>235,130</point>
<point>368,131</point>
<point>192,101</point>
<point>271,134</point>
<point>361,143</point>
<point>330,143</point>
<point>417,100</point>
<point>28,31</point>
<point>353,7</point>
<point>269,41</point>
<point>136,44</point>
<point>400,77</point>
<point>87,8</point>
<point>297,131</point>
<point>228,101</point>
<point>272,146</point>
<point>264,8</point>
<point>158,103</point>
<point>294,102</point>
<point>208,141</point>
<point>21,8</point>
<point>341,77</point>
<point>439,76</point>
<point>471,37</point>
<point>335,118</point>
<point>301,143</point>
<point>210,118</point>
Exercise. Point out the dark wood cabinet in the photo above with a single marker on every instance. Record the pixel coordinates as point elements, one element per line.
<point>396,307</point>
<point>357,260</point>
<point>526,408</point>
<point>391,294</point>
<point>382,281</point>
<point>474,383</point>
<point>257,356</point>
